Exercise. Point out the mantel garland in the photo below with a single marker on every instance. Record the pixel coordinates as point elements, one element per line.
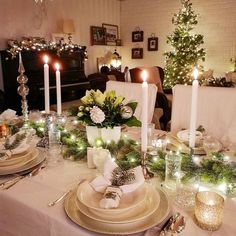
<point>40,44</point>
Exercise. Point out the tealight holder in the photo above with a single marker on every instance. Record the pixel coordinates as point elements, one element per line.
<point>209,210</point>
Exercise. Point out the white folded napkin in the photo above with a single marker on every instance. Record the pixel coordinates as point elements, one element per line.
<point>22,147</point>
<point>8,115</point>
<point>101,183</point>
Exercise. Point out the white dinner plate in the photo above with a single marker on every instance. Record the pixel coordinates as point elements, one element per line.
<point>183,135</point>
<point>90,198</point>
<point>116,229</point>
<point>39,157</point>
<point>137,213</point>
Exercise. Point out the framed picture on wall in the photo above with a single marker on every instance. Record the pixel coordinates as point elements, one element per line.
<point>137,53</point>
<point>112,34</point>
<point>98,35</point>
<point>137,36</point>
<point>153,44</point>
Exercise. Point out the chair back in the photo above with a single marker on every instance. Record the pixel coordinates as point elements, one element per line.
<point>133,92</point>
<point>216,111</point>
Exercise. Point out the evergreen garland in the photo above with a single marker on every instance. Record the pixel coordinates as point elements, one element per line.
<point>187,52</point>
<point>214,170</point>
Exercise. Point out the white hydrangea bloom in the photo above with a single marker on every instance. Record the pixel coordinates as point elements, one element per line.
<point>97,115</point>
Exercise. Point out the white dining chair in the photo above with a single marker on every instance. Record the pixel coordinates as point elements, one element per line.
<point>133,91</point>
<point>216,111</point>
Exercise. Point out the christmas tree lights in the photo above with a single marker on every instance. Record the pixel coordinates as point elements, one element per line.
<point>187,49</point>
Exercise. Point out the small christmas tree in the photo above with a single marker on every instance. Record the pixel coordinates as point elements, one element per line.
<point>187,52</point>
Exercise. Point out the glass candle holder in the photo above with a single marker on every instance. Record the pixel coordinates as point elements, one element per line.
<point>173,168</point>
<point>209,210</point>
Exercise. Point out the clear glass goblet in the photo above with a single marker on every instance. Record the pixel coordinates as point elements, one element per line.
<point>211,144</point>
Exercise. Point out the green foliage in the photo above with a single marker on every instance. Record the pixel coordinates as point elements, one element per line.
<point>73,111</point>
<point>218,82</point>
<point>187,52</point>
<point>214,170</point>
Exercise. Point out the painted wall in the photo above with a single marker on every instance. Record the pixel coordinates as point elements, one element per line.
<point>217,23</point>
<point>26,18</point>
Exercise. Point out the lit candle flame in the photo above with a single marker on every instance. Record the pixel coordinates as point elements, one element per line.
<point>57,66</point>
<point>144,75</point>
<point>46,59</point>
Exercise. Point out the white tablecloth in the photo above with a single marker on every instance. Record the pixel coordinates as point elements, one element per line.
<point>24,210</point>
<point>216,111</point>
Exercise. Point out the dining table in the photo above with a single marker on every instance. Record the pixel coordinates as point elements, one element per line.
<point>24,209</point>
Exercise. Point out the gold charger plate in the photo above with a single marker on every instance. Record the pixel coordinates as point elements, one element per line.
<point>138,213</point>
<point>39,157</point>
<point>123,228</point>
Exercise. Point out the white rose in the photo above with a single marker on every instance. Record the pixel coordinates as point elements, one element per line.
<point>97,115</point>
<point>80,114</point>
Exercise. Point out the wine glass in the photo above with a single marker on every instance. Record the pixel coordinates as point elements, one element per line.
<point>211,144</point>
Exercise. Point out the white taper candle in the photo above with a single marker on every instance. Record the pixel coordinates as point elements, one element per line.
<point>46,85</point>
<point>144,131</point>
<point>193,115</point>
<point>58,86</point>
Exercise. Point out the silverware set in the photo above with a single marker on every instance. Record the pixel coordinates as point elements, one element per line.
<point>175,224</point>
<point>11,182</point>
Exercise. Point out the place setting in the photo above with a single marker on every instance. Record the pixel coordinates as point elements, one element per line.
<point>114,203</point>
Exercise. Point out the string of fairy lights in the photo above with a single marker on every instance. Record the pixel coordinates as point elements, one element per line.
<point>218,170</point>
<point>39,44</point>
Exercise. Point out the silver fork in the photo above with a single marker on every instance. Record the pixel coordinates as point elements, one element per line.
<point>64,195</point>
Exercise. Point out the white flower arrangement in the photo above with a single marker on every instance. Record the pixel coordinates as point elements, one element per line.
<point>106,110</point>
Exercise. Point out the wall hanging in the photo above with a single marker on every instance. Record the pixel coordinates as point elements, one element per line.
<point>98,35</point>
<point>112,34</point>
<point>137,35</point>
<point>137,53</point>
<point>153,43</point>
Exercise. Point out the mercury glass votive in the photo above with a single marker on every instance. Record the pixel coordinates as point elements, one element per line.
<point>209,210</point>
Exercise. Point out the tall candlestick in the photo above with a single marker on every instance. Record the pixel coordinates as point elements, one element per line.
<point>46,85</point>
<point>193,115</point>
<point>144,131</point>
<point>58,86</point>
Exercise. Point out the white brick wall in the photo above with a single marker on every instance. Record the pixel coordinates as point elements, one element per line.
<point>217,22</point>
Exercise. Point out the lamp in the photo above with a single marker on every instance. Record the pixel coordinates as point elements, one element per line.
<point>69,28</point>
<point>116,61</point>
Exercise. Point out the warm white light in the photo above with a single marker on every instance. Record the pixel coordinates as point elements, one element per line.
<point>45,58</point>
<point>144,75</point>
<point>222,187</point>
<point>57,66</point>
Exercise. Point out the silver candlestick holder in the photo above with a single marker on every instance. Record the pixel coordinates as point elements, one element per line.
<point>44,142</point>
<point>146,173</point>
<point>23,89</point>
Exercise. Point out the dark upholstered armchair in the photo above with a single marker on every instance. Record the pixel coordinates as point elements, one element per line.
<point>98,80</point>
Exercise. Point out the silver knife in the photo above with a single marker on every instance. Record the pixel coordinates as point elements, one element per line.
<point>8,184</point>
